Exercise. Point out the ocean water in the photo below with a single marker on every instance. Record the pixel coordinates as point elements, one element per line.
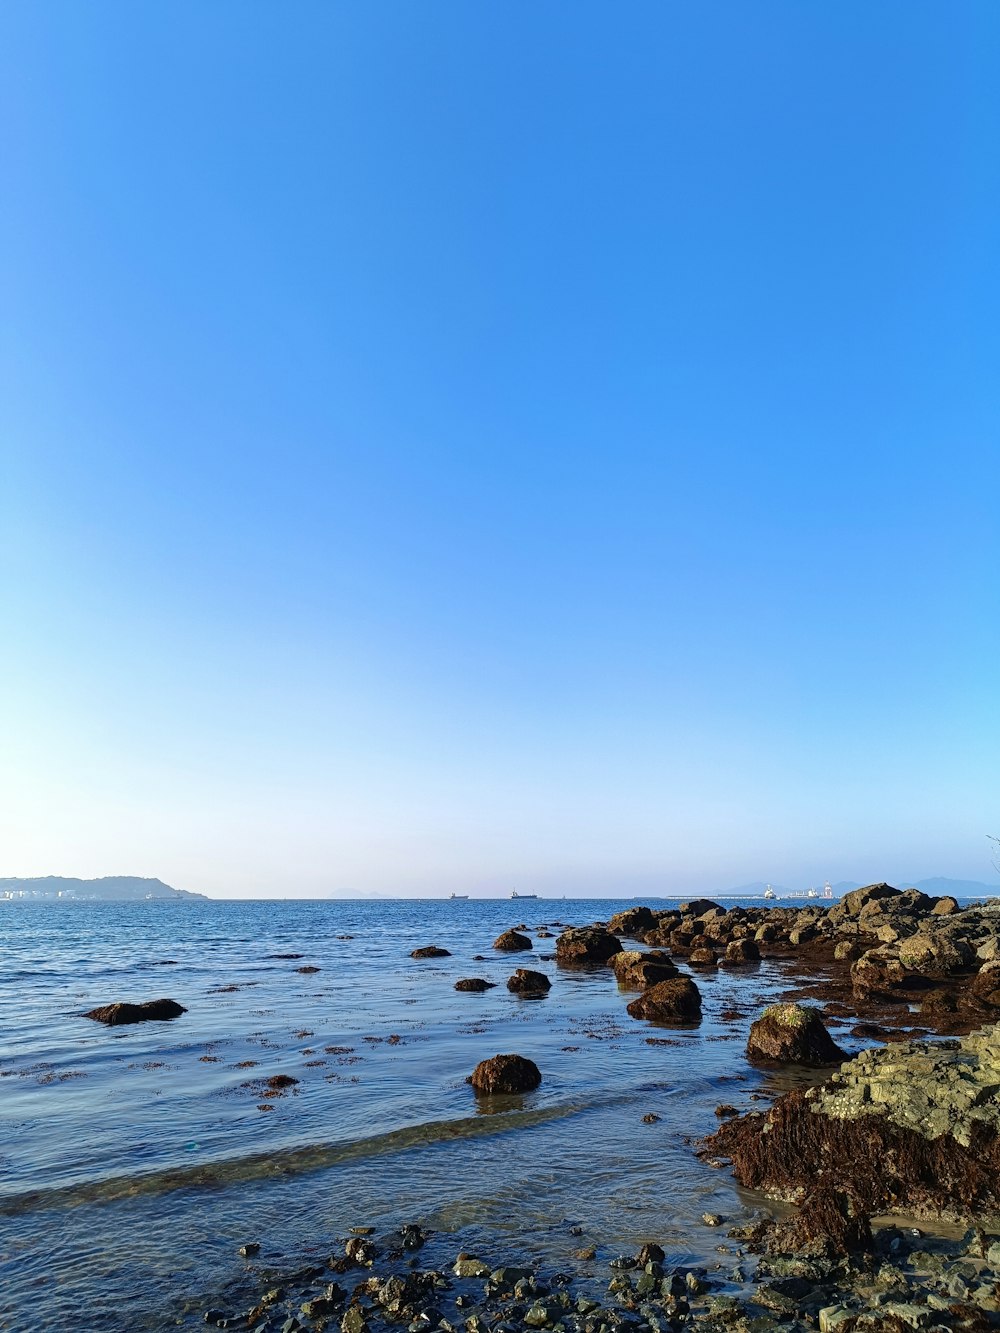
<point>134,1161</point>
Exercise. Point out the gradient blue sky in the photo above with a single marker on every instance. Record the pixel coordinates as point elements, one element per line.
<point>453,446</point>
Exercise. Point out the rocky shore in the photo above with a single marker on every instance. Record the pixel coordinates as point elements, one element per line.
<point>907,1129</point>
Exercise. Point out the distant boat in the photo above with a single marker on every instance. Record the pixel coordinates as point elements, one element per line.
<point>522,896</point>
<point>459,897</point>
<point>769,892</point>
<point>812,893</point>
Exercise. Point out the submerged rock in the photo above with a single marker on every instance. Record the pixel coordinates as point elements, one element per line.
<point>512,942</point>
<point>674,1001</point>
<point>505,1073</point>
<point>792,1034</point>
<point>526,982</point>
<point>123,1012</point>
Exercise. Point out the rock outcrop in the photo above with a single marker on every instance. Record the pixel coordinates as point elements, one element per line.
<point>505,1074</point>
<point>122,1012</point>
<point>792,1034</point>
<point>913,1127</point>
<point>474,984</point>
<point>430,951</point>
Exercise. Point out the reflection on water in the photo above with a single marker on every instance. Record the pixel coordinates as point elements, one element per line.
<point>136,1160</point>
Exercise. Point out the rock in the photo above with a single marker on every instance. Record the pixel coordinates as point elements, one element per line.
<point>468,1266</point>
<point>430,951</point>
<point>526,982</point>
<point>674,1001</point>
<point>636,970</point>
<point>741,951</point>
<point>474,984</point>
<point>712,1219</point>
<point>512,942</point>
<point>586,946</point>
<point>700,906</point>
<point>702,957</point>
<point>877,973</point>
<point>852,903</point>
<point>792,1034</point>
<point>945,906</point>
<point>505,1073</point>
<point>248,1251</point>
<point>122,1012</point>
<point>935,955</point>
<point>633,922</point>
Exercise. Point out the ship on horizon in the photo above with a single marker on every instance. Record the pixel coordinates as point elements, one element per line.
<point>458,897</point>
<point>522,896</point>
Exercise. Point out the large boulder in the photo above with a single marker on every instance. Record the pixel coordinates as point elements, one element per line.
<point>674,1001</point>
<point>852,903</point>
<point>505,1074</point>
<point>586,946</point>
<point>526,982</point>
<point>792,1034</point>
<point>122,1012</point>
<point>511,941</point>
<point>636,971</point>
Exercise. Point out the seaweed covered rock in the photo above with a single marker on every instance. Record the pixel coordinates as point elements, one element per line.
<point>431,951</point>
<point>526,982</point>
<point>586,946</point>
<point>913,1127</point>
<point>474,984</point>
<point>511,941</point>
<point>505,1074</point>
<point>122,1012</point>
<point>674,1001</point>
<point>792,1034</point>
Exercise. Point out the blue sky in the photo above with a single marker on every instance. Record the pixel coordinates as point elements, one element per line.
<point>448,447</point>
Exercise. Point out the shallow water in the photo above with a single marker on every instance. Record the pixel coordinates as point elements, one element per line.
<point>136,1160</point>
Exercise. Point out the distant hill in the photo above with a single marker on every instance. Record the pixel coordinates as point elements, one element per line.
<point>112,888</point>
<point>958,888</point>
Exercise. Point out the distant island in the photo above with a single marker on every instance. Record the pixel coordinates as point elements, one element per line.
<point>112,888</point>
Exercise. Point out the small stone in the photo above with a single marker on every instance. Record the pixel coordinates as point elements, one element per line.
<point>248,1251</point>
<point>468,1266</point>
<point>712,1219</point>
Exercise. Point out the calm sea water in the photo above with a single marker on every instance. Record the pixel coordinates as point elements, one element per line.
<point>135,1161</point>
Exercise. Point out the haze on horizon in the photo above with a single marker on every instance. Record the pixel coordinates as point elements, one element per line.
<point>463,447</point>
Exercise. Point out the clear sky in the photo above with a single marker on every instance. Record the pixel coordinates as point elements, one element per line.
<point>459,446</point>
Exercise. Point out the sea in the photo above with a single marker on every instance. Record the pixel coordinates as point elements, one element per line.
<point>136,1161</point>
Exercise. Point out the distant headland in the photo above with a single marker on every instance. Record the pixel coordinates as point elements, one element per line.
<point>112,888</point>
